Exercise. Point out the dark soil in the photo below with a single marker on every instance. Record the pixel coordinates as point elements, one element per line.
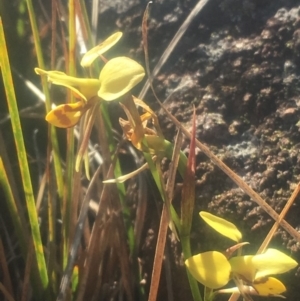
<point>239,63</point>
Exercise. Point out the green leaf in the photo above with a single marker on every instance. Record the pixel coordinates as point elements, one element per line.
<point>38,251</point>
<point>212,269</point>
<point>119,76</point>
<point>222,226</point>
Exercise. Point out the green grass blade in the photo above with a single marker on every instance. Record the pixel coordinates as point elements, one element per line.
<point>22,158</point>
<point>69,207</point>
<point>41,64</point>
<point>12,207</point>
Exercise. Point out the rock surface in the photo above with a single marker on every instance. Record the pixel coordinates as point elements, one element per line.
<point>239,62</point>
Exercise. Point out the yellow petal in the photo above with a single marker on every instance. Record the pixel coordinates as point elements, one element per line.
<point>84,88</point>
<point>212,269</point>
<point>119,76</point>
<point>66,115</point>
<point>268,286</point>
<point>272,262</point>
<point>222,226</point>
<point>95,52</point>
<point>243,267</point>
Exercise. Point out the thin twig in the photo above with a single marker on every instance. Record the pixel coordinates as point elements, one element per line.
<point>164,222</point>
<point>180,32</point>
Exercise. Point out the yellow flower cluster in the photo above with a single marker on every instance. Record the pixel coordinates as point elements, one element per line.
<point>118,76</point>
<point>251,273</point>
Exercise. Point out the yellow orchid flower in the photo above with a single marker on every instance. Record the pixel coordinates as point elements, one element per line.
<point>118,76</point>
<point>250,272</point>
<point>214,270</point>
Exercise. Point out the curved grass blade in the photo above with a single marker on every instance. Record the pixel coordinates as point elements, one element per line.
<point>12,207</point>
<point>22,159</point>
<point>69,200</point>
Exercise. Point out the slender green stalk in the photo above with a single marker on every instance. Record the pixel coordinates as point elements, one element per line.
<point>40,59</point>
<point>185,225</point>
<point>69,208</point>
<point>130,105</point>
<point>22,159</point>
<point>12,207</point>
<point>187,209</point>
<point>55,147</point>
<point>72,38</point>
<point>186,249</point>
